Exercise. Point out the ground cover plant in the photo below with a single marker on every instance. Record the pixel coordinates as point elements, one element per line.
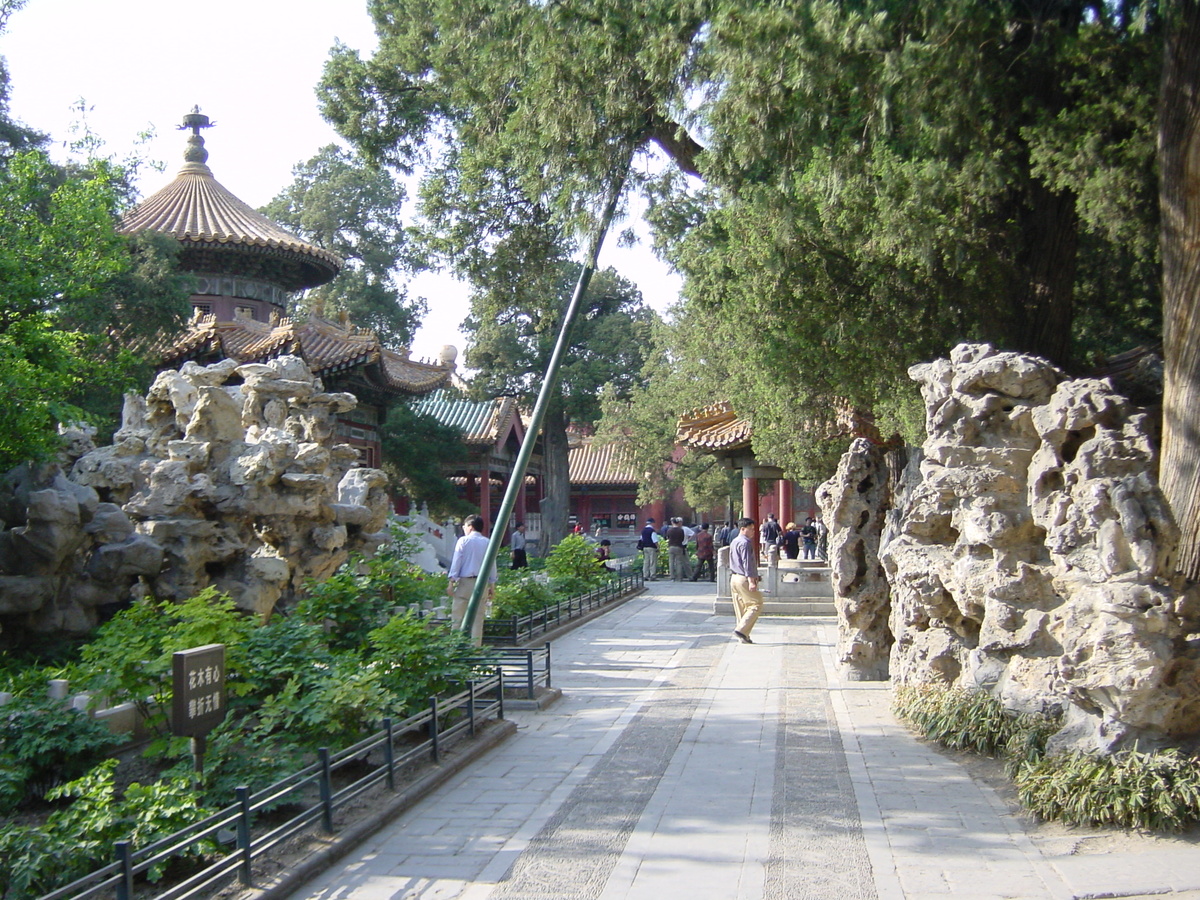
<point>1159,790</point>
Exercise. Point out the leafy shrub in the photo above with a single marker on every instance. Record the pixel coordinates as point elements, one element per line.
<point>520,597</point>
<point>347,604</point>
<point>416,660</point>
<point>44,743</point>
<point>1158,791</point>
<point>574,558</point>
<point>283,648</point>
<point>80,838</point>
<point>333,710</point>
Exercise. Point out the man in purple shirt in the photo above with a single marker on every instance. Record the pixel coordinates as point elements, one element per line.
<point>464,572</point>
<point>743,580</point>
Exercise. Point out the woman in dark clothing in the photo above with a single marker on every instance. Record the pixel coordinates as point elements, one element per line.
<point>791,542</point>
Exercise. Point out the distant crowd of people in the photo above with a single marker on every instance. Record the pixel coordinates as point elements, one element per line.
<point>811,539</point>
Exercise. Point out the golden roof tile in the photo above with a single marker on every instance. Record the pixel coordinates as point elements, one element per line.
<point>590,462</point>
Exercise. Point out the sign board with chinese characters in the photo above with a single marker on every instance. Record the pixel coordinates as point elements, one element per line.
<point>199,683</point>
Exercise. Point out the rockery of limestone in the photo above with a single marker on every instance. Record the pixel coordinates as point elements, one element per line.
<point>225,475</point>
<point>1029,560</point>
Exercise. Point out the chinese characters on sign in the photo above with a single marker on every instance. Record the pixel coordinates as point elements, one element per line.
<point>199,683</point>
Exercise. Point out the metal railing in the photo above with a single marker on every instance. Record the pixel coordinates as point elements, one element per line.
<point>312,787</point>
<point>520,629</point>
<point>525,668</point>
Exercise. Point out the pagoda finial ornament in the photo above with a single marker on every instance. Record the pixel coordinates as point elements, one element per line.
<point>195,120</point>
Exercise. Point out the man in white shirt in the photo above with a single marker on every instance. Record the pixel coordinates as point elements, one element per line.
<point>464,572</point>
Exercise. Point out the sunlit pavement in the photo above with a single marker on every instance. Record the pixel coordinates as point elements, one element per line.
<point>681,763</point>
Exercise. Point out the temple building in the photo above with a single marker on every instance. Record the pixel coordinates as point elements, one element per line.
<point>247,270</point>
<point>492,432</point>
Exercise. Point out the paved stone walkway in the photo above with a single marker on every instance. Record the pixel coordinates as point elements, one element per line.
<point>683,764</point>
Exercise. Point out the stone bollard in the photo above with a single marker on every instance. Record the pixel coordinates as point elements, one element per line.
<point>5,696</point>
<point>80,702</point>
<point>57,689</point>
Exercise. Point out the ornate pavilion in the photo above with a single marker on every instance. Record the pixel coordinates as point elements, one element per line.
<point>247,269</point>
<point>492,431</point>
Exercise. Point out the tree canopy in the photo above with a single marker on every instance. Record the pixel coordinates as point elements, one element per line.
<point>343,204</point>
<point>856,186</point>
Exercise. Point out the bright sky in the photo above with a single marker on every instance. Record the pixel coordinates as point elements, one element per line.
<point>252,66</point>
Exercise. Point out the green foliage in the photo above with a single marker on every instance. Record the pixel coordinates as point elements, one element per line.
<point>342,204</point>
<point>347,605</point>
<point>521,596</point>
<point>1157,791</point>
<point>130,654</point>
<point>334,709</point>
<point>80,837</point>
<point>415,449</point>
<point>573,562</point>
<point>43,743</point>
<point>415,660</point>
<point>283,648</point>
<point>68,290</point>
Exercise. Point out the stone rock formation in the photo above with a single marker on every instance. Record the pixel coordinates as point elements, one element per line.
<point>853,503</point>
<point>1029,559</point>
<point>225,475</point>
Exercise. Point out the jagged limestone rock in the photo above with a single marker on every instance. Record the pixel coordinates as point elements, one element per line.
<point>853,504</point>
<point>225,475</point>
<point>1029,559</point>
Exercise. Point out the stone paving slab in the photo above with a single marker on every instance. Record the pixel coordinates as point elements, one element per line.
<point>682,764</point>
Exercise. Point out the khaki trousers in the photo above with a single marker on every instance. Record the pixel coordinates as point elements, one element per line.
<point>458,609</point>
<point>649,563</point>
<point>747,603</point>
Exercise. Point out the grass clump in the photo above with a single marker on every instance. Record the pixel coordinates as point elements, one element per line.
<point>1158,791</point>
<point>973,720</point>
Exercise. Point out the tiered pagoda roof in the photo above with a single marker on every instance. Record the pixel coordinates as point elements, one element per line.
<point>220,233</point>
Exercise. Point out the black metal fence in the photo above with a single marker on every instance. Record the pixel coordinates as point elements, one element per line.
<point>521,629</point>
<point>525,668</point>
<point>231,830</point>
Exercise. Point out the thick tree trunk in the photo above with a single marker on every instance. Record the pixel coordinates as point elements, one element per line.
<point>1045,300</point>
<point>557,474</point>
<point>1179,198</point>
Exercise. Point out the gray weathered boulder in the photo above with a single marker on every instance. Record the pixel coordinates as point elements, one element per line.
<point>1029,559</point>
<point>225,475</point>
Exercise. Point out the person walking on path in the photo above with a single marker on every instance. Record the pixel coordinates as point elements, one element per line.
<point>681,570</point>
<point>704,554</point>
<point>464,572</point>
<point>648,544</point>
<point>519,559</point>
<point>743,582</point>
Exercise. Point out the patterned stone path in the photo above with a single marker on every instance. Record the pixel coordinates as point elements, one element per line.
<point>682,764</point>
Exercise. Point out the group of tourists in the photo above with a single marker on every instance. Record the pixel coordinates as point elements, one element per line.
<point>812,536</point>
<point>467,561</point>
<point>677,538</point>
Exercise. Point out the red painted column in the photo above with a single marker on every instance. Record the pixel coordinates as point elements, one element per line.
<point>485,496</point>
<point>786,513</point>
<point>750,506</point>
